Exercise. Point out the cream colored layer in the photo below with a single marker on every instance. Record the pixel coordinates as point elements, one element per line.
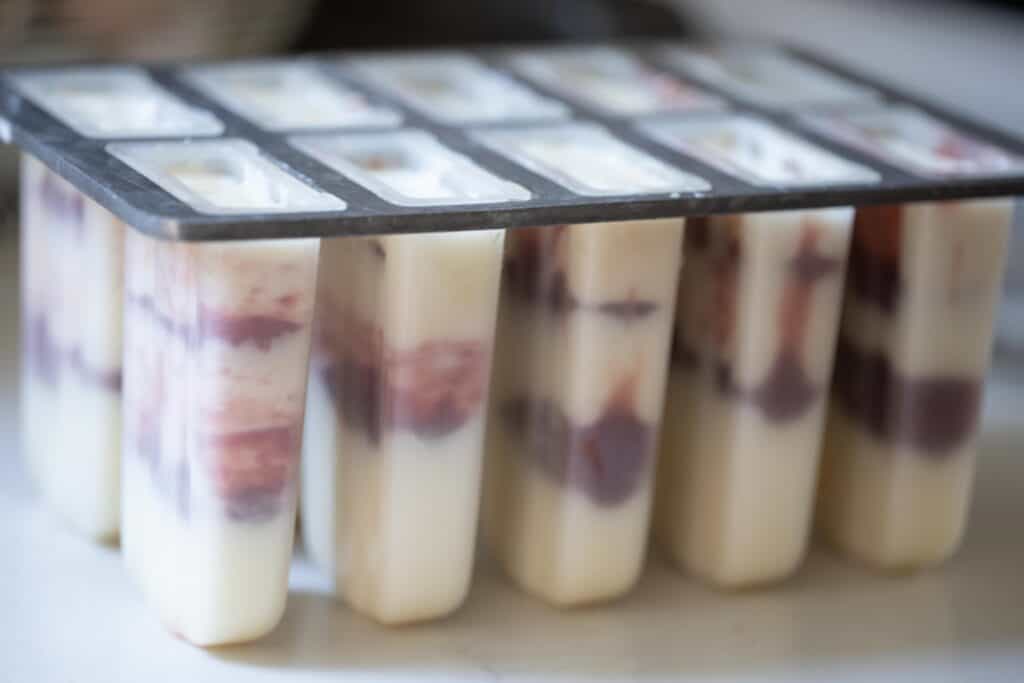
<point>38,436</point>
<point>552,539</point>
<point>211,581</point>
<point>612,261</point>
<point>321,448</point>
<point>84,484</point>
<point>889,506</point>
<point>406,522</point>
<point>416,288</point>
<point>582,360</point>
<point>735,492</point>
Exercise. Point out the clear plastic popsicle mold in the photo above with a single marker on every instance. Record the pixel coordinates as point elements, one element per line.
<point>766,76</point>
<point>454,89</point>
<point>227,176</point>
<point>589,160</point>
<point>918,143</point>
<point>409,168</point>
<point>280,96</point>
<point>612,80</point>
<point>757,151</point>
<point>113,102</point>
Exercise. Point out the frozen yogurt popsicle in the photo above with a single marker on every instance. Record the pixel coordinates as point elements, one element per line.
<point>398,388</point>
<point>71,376</point>
<point>755,337</point>
<point>758,312</point>
<point>583,336</point>
<point>217,339</point>
<point>399,383</point>
<point>914,349</point>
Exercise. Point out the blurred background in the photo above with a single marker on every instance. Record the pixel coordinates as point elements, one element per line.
<point>964,54</point>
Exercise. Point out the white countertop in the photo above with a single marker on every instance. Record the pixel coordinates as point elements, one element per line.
<point>69,613</point>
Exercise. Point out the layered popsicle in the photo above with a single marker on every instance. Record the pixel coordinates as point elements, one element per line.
<point>72,275</point>
<point>217,339</point>
<point>583,337</point>
<point>758,313</point>
<point>71,372</point>
<point>918,317</point>
<point>399,384</point>
<point>913,354</point>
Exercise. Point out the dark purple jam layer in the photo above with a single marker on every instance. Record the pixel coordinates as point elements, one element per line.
<point>250,469</point>
<point>933,415</point>
<point>875,256</point>
<point>430,391</point>
<point>531,274</point>
<point>46,361</point>
<point>258,330</point>
<point>606,459</point>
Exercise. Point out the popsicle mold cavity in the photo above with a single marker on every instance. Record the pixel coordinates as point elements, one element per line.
<point>223,176</point>
<point>71,350</point>
<point>612,80</point>
<point>588,160</point>
<point>287,96</point>
<point>453,88</point>
<point>913,352</point>
<point>582,348</point>
<point>409,168</point>
<point>217,339</point>
<point>394,448</point>
<point>113,102</point>
<point>757,151</point>
<point>756,324</point>
<point>917,142</point>
<point>766,76</point>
